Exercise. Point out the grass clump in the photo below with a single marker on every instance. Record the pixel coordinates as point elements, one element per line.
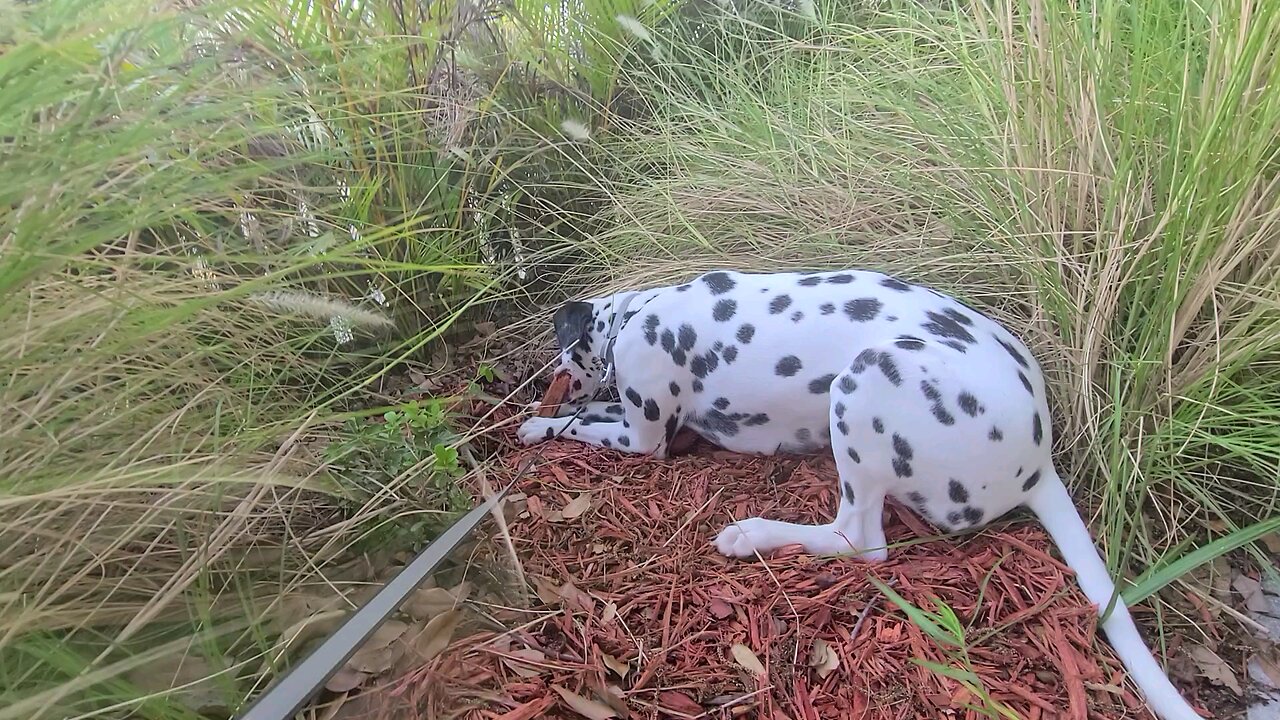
<point>223,226</point>
<point>1103,179</point>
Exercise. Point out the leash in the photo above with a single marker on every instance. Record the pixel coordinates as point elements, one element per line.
<point>290,693</point>
<point>283,700</point>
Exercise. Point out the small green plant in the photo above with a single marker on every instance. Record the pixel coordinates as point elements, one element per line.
<point>945,628</point>
<point>412,438</point>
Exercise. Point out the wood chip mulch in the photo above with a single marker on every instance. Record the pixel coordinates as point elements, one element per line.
<point>636,616</point>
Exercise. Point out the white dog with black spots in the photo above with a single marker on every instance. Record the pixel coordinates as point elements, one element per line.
<point>918,396</point>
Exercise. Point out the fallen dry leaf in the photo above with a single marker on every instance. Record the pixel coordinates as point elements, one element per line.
<point>1215,668</point>
<point>720,609</point>
<point>610,612</point>
<point>1268,670</point>
<point>584,707</point>
<point>747,659</point>
<point>1272,541</point>
<point>1251,591</point>
<point>427,603</point>
<point>378,653</point>
<point>823,658</point>
<point>345,680</point>
<point>437,634</point>
<point>522,669</point>
<point>528,711</point>
<point>574,509</point>
<point>619,667</point>
<point>547,590</point>
<point>679,702</point>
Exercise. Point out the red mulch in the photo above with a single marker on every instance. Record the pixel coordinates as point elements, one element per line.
<point>646,587</point>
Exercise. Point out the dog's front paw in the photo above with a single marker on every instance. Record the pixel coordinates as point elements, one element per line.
<point>538,429</point>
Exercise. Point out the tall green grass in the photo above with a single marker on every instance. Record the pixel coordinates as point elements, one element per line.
<point>222,225</point>
<point>1101,176</point>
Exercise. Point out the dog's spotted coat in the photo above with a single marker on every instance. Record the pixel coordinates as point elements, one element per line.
<point>917,395</point>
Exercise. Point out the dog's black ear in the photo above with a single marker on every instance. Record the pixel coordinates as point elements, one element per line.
<point>572,323</point>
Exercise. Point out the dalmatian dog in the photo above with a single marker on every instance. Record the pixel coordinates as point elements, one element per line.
<point>917,395</point>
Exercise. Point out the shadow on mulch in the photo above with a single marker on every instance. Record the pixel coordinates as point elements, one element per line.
<point>636,613</point>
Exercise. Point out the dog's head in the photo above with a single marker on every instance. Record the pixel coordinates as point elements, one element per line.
<point>582,329</point>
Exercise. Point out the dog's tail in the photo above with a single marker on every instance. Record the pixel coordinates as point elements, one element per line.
<point>1053,505</point>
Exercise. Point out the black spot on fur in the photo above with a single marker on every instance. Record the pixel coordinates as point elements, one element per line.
<point>878,425</point>
<point>682,288</point>
<point>995,435</point>
<point>1026,383</point>
<point>863,309</point>
<point>841,279</point>
<point>778,304</point>
<point>719,423</point>
<point>651,329</point>
<point>624,441</point>
<point>842,427</point>
<point>720,403</point>
<point>615,409</point>
<point>907,342</point>
<point>957,492</point>
<point>915,498</point>
<point>697,385</point>
<point>827,308</point>
<point>901,467</point>
<point>853,455</point>
<point>890,369</point>
<point>1037,428</point>
<point>804,435</point>
<point>669,432</point>
<point>600,326</point>
<point>863,360</point>
<point>745,333</point>
<point>956,345</point>
<point>724,310</point>
<point>668,341</point>
<point>1031,481</point>
<point>698,366</point>
<point>719,282</point>
<point>679,357</point>
<point>788,366</point>
<point>902,447</point>
<point>634,397</point>
<point>687,337</point>
<point>730,354</point>
<point>1013,351</point>
<point>895,284</point>
<point>573,432</point>
<point>651,412</point>
<point>953,518</point>
<point>757,419</point>
<point>674,388</point>
<point>947,327</point>
<point>939,411</point>
<point>838,409</point>
<point>577,385</point>
<point>797,316</point>
<point>958,316</point>
<point>848,493</point>
<point>969,404</point>
<point>717,346</point>
<point>820,385</point>
<point>847,385</point>
<point>811,281</point>
<point>606,442</point>
<point>972,515</point>
<point>549,434</point>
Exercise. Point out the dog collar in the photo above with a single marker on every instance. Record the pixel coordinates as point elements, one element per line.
<point>619,319</point>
